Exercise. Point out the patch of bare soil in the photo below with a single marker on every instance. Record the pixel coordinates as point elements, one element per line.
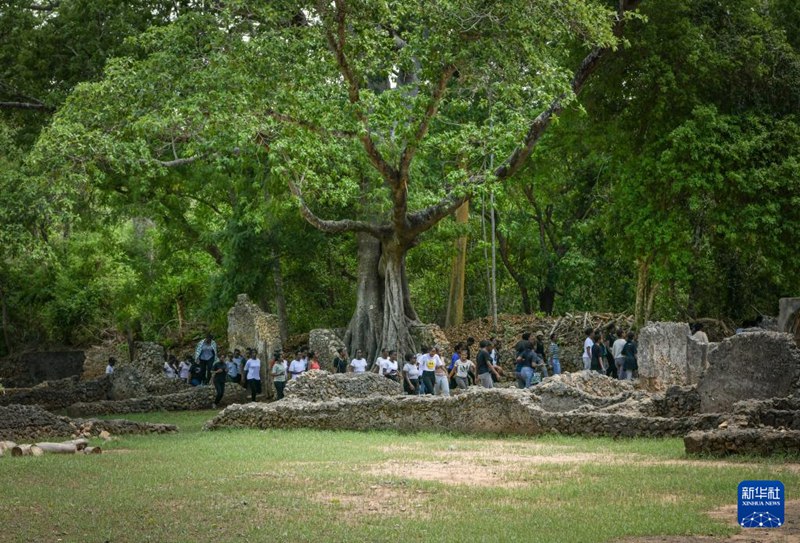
<point>380,499</point>
<point>788,533</point>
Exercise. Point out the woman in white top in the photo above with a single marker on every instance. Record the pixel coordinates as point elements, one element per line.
<point>252,370</point>
<point>462,370</point>
<point>411,375</point>
<point>278,371</point>
<point>389,367</point>
<point>358,364</point>
<point>183,369</point>
<point>377,367</point>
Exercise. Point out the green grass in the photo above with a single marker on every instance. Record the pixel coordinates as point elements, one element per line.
<point>250,485</point>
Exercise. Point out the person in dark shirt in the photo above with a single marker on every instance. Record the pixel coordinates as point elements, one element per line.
<point>218,373</point>
<point>485,367</point>
<point>539,350</point>
<point>340,362</point>
<point>629,352</point>
<point>196,373</point>
<point>523,343</point>
<point>597,353</point>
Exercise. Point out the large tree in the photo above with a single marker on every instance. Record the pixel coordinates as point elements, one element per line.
<point>383,118</point>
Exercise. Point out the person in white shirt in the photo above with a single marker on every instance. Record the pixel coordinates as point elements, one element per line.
<point>441,378</point>
<point>278,372</point>
<point>358,364</point>
<point>616,352</point>
<point>298,366</point>
<point>699,335</point>
<point>183,369</point>
<point>377,367</point>
<point>587,349</point>
<point>462,370</point>
<point>428,366</point>
<point>169,371</point>
<point>389,367</point>
<point>111,363</point>
<point>252,371</point>
<point>411,375</point>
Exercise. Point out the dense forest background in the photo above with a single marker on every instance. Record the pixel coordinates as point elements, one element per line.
<point>147,176</point>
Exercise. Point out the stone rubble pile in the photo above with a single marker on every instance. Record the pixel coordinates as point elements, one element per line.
<point>31,423</point>
<point>320,386</point>
<point>592,383</point>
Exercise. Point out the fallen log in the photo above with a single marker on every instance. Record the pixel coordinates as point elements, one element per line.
<point>6,445</point>
<point>58,448</point>
<point>26,450</point>
<point>92,450</point>
<point>80,443</point>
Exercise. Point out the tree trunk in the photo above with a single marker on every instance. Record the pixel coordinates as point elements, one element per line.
<point>383,313</point>
<point>6,335</point>
<point>181,316</point>
<point>547,299</point>
<point>366,326</point>
<point>396,334</point>
<point>455,302</point>
<point>280,298</point>
<point>643,287</point>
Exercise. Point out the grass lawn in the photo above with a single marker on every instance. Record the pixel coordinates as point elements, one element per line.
<point>250,485</point>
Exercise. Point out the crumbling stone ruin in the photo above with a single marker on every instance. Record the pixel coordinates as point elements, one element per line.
<point>752,365</point>
<point>189,399</point>
<point>30,423</point>
<point>250,327</point>
<point>668,355</point>
<point>583,403</point>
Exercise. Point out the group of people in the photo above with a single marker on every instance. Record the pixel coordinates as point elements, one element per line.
<point>613,355</point>
<point>429,371</point>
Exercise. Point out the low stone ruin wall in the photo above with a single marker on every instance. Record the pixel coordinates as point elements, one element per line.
<point>31,423</point>
<point>194,398</point>
<point>477,411</point>
<point>761,441</point>
<point>320,386</point>
<point>59,394</point>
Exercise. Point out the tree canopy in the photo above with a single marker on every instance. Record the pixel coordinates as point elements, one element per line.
<point>158,155</point>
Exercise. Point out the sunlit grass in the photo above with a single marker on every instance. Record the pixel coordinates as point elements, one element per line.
<point>303,485</point>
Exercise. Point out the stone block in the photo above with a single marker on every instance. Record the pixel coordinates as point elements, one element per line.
<point>662,355</point>
<point>250,327</point>
<point>788,314</point>
<point>755,365</point>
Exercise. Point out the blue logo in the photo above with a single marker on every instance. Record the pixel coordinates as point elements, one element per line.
<point>761,504</point>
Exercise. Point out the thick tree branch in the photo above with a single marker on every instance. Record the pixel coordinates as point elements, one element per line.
<point>425,219</point>
<point>539,125</point>
<point>505,256</point>
<point>335,227</point>
<point>337,44</point>
<point>26,105</point>
<point>44,7</point>
<point>176,162</point>
<point>545,226</point>
<point>433,106</point>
